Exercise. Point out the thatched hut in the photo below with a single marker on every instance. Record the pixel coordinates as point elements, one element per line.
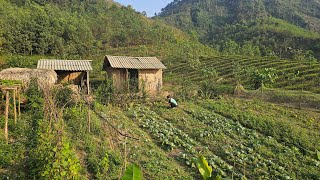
<point>44,77</point>
<point>135,73</point>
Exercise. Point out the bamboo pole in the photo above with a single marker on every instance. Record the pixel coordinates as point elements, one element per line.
<point>89,128</point>
<point>88,82</point>
<point>19,98</point>
<point>6,116</point>
<point>125,153</point>
<point>128,80</point>
<point>14,107</point>
<point>300,99</point>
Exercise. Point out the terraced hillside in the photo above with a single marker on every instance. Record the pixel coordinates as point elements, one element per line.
<point>292,74</point>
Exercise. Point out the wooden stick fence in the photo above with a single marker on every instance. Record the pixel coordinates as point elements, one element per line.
<point>16,91</point>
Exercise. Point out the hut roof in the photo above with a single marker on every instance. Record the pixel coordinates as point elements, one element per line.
<point>134,62</point>
<point>65,65</point>
<point>44,77</point>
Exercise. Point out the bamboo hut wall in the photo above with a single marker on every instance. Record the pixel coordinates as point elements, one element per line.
<point>151,79</point>
<point>119,78</point>
<point>66,76</point>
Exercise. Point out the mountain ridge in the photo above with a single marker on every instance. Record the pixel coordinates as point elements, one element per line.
<point>213,20</point>
<point>78,29</point>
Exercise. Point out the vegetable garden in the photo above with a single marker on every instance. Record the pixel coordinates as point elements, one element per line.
<point>231,147</point>
<point>238,138</point>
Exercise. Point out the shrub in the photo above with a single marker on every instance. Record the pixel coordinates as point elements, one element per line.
<point>35,97</point>
<point>263,77</point>
<point>212,90</point>
<point>64,97</point>
<point>98,164</point>
<point>104,93</point>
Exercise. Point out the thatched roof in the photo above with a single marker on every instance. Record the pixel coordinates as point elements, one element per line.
<point>44,77</point>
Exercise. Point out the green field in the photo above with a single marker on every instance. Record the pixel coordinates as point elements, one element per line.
<point>244,110</point>
<point>238,138</point>
<point>239,143</point>
<point>292,74</point>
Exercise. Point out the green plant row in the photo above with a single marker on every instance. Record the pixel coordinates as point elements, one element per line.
<point>171,138</point>
<point>255,150</point>
<point>235,144</point>
<point>289,72</point>
<point>282,131</point>
<point>153,160</point>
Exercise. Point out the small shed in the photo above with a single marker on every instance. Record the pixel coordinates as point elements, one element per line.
<point>71,71</point>
<point>134,73</point>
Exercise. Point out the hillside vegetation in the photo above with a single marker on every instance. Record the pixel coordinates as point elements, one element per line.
<point>273,27</point>
<point>66,135</point>
<point>230,70</point>
<point>239,138</point>
<point>79,29</point>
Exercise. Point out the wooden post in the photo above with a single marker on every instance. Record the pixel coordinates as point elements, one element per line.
<point>19,107</point>
<point>300,99</point>
<point>88,84</point>
<point>89,128</point>
<point>125,153</point>
<point>262,90</point>
<point>14,106</point>
<point>128,80</point>
<point>6,116</point>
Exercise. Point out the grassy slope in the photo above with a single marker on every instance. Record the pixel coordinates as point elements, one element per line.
<point>145,152</point>
<point>239,137</point>
<point>153,161</point>
<point>91,147</point>
<point>282,26</point>
<point>234,146</point>
<point>295,75</point>
<point>13,155</point>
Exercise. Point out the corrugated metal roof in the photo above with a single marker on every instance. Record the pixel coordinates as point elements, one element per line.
<point>65,65</point>
<point>134,62</point>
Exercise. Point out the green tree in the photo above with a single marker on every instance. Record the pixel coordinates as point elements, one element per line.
<point>263,77</point>
<point>230,48</point>
<point>237,71</point>
<point>249,49</point>
<point>301,55</point>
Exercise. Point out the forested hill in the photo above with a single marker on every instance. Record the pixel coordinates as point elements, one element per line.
<point>78,29</point>
<point>286,28</point>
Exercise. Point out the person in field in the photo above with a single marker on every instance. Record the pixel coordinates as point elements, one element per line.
<point>173,103</point>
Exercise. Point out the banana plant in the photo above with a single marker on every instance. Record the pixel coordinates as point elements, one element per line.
<point>206,170</point>
<point>133,172</point>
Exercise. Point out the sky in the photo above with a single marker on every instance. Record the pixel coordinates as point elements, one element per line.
<point>149,6</point>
